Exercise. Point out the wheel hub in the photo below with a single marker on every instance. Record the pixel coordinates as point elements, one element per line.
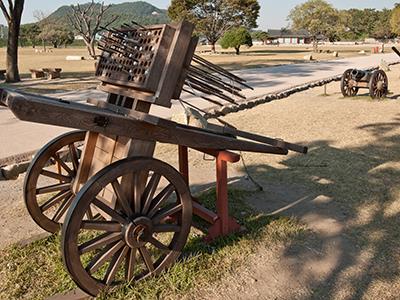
<point>138,231</point>
<point>380,85</point>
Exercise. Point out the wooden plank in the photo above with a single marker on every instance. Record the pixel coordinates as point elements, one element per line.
<point>132,186</point>
<point>125,111</point>
<point>109,106</point>
<point>125,91</point>
<point>121,147</point>
<point>68,114</point>
<point>188,59</point>
<point>86,160</point>
<point>159,60</point>
<point>174,64</point>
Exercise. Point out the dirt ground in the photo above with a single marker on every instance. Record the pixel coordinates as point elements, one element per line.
<point>257,55</point>
<point>346,190</point>
<point>79,75</point>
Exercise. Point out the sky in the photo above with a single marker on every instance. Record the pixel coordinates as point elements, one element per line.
<point>273,14</point>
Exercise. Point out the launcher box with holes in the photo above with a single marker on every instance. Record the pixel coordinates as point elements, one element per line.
<point>148,63</point>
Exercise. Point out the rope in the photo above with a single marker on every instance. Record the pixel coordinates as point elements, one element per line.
<point>258,186</point>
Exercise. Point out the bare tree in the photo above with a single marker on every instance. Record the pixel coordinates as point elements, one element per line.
<point>87,20</point>
<point>13,17</point>
<point>41,19</point>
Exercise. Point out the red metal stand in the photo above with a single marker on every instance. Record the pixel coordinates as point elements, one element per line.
<point>221,223</point>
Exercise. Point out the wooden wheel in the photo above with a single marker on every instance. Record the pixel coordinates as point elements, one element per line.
<point>346,86</point>
<point>378,84</point>
<point>48,182</point>
<point>141,235</point>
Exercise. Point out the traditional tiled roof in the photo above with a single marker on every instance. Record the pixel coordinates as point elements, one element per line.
<point>287,33</point>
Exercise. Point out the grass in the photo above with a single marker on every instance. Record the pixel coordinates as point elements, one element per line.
<point>36,271</point>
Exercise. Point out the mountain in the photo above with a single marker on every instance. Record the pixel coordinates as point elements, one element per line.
<point>139,11</point>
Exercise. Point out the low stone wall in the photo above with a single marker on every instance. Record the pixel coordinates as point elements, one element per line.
<point>215,112</point>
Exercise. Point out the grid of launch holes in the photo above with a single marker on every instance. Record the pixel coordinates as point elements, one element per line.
<point>132,66</point>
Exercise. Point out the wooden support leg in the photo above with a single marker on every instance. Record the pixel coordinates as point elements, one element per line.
<point>183,162</point>
<point>222,223</point>
<point>225,224</point>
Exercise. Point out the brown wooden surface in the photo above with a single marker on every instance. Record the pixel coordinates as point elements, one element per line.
<point>35,74</point>
<point>45,110</point>
<point>52,73</point>
<point>121,90</point>
<point>188,59</point>
<point>159,61</point>
<point>86,160</point>
<point>174,63</point>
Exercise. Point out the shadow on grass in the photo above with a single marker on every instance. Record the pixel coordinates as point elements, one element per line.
<point>355,190</point>
<point>36,270</point>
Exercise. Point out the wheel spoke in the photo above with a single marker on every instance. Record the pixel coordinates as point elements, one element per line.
<point>62,209</point>
<point>74,156</point>
<point>160,199</point>
<point>108,226</point>
<point>167,228</point>
<point>130,264</point>
<point>114,265</point>
<point>99,241</point>
<point>55,176</point>
<point>149,192</point>
<point>146,258</point>
<point>89,214</point>
<point>53,188</point>
<point>122,198</point>
<point>108,210</point>
<point>165,212</point>
<point>54,200</point>
<point>158,244</point>
<point>136,192</point>
<point>63,164</point>
<point>104,255</point>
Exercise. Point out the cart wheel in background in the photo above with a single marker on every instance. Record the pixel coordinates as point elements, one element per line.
<point>345,85</point>
<point>378,85</point>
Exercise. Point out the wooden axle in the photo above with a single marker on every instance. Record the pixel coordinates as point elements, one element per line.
<point>359,84</point>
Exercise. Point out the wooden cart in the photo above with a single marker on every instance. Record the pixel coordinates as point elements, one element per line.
<point>124,214</point>
<point>376,82</point>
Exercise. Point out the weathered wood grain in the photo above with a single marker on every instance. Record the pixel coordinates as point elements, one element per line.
<point>45,110</point>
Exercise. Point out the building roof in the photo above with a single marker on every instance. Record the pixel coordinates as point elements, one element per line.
<point>287,33</point>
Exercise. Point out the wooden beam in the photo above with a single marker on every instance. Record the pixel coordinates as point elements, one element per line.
<point>45,110</point>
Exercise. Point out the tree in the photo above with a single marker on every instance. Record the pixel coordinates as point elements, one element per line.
<point>13,18</point>
<point>395,20</point>
<point>30,34</point>
<point>87,21</point>
<point>57,35</point>
<point>235,38</point>
<point>382,28</point>
<point>43,21</point>
<point>215,17</point>
<point>260,35</point>
<point>318,17</point>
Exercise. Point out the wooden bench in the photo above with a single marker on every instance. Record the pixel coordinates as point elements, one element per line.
<point>52,73</point>
<point>3,74</point>
<point>36,74</point>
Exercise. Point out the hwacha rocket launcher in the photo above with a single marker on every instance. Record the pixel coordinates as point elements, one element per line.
<point>124,214</point>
